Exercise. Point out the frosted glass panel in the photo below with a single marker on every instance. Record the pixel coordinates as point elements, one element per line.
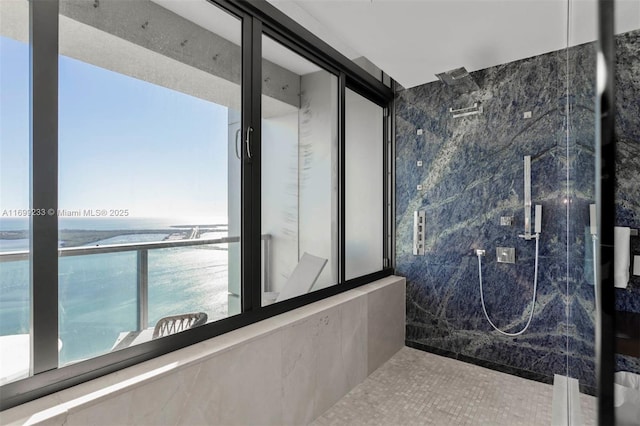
<point>364,186</point>
<point>299,174</point>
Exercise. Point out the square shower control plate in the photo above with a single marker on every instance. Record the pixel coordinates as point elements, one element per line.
<point>506,220</point>
<point>506,254</point>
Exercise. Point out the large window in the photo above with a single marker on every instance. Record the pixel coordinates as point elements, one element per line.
<point>146,158</point>
<point>193,165</point>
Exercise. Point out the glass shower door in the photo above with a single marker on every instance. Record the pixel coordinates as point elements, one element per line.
<point>583,83</point>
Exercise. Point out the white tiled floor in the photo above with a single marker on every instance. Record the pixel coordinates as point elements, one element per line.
<point>420,388</point>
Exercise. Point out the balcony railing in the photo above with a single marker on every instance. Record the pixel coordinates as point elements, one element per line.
<point>142,264</point>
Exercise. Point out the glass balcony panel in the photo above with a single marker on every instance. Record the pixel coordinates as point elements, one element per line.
<point>15,296</point>
<point>97,302</point>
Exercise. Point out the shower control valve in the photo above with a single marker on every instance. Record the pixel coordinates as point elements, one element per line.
<point>506,254</point>
<point>506,220</point>
<point>419,225</point>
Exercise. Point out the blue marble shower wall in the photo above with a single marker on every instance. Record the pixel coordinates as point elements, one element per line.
<point>628,167</point>
<point>471,176</point>
<point>628,154</point>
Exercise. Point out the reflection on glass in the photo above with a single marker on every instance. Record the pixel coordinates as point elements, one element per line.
<point>147,171</point>
<point>364,185</point>
<point>627,211</point>
<point>190,279</point>
<point>15,297</point>
<point>299,174</point>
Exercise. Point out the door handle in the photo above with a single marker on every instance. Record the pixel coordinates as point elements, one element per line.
<point>237,140</point>
<point>248,141</point>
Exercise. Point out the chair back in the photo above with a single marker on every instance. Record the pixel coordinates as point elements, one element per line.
<point>303,277</point>
<point>176,323</point>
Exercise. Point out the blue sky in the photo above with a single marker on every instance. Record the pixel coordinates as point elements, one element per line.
<point>123,143</point>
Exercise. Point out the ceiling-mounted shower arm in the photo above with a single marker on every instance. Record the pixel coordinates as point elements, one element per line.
<point>459,80</point>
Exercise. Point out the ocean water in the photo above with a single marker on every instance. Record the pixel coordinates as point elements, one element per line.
<point>112,223</point>
<point>97,297</point>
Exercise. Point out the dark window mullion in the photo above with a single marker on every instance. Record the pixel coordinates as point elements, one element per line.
<point>43,262</point>
<point>342,177</point>
<point>251,139</point>
<point>245,187</point>
<point>385,185</point>
<point>392,183</point>
<point>256,164</point>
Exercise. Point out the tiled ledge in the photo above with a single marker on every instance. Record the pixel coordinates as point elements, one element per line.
<point>287,369</point>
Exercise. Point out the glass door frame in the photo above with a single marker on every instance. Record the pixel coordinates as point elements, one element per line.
<point>605,177</point>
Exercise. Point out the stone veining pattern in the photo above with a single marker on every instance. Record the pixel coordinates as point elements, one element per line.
<point>628,153</point>
<point>472,175</point>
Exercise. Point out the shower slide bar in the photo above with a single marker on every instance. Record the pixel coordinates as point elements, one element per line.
<point>527,196</point>
<point>527,205</point>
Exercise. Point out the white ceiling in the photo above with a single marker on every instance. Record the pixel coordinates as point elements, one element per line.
<point>412,40</point>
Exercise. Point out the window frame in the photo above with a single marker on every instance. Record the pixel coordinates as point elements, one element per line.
<point>257,18</point>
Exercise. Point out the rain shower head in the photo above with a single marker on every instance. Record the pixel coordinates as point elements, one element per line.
<point>459,79</point>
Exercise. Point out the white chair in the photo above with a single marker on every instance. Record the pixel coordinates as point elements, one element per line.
<point>301,280</point>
